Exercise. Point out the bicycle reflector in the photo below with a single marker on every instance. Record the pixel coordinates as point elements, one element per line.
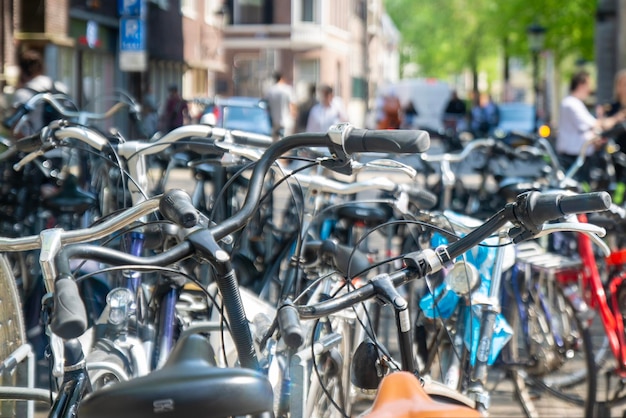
<point>544,131</point>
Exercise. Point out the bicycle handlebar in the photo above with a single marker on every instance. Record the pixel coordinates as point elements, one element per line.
<point>176,206</point>
<point>69,319</point>
<point>389,141</point>
<point>422,198</point>
<point>460,156</point>
<point>11,121</point>
<point>524,213</point>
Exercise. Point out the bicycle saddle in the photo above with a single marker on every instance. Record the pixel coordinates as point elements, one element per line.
<point>401,395</point>
<point>511,187</point>
<point>368,214</point>
<point>188,385</point>
<point>70,198</point>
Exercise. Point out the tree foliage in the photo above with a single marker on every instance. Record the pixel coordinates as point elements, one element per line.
<point>445,37</point>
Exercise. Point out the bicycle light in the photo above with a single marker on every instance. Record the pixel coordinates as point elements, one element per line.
<point>462,278</point>
<point>120,301</point>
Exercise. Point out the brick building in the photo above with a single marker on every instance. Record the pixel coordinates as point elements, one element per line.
<point>80,42</point>
<point>206,46</point>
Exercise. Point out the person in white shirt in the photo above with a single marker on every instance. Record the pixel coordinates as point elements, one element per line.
<point>577,124</point>
<point>282,106</point>
<point>327,112</point>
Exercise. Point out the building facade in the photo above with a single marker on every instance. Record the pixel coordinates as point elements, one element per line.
<point>310,42</point>
<point>207,47</point>
<point>80,40</point>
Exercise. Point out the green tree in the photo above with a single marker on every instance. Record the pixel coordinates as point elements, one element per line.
<point>445,37</point>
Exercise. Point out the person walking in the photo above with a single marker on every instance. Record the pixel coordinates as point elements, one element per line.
<point>326,112</point>
<point>305,107</point>
<point>454,114</point>
<point>282,105</point>
<point>32,81</point>
<point>609,110</point>
<point>577,125</point>
<point>485,116</point>
<point>150,113</point>
<point>176,111</point>
<point>391,113</point>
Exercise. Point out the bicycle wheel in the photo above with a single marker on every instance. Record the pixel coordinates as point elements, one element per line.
<point>12,334</point>
<point>551,352</point>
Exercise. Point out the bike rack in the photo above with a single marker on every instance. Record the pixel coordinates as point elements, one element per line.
<point>533,257</point>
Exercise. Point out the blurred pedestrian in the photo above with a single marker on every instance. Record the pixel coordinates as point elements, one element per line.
<point>577,125</point>
<point>176,111</point>
<point>454,114</point>
<point>327,112</point>
<point>32,80</point>
<point>485,116</point>
<point>391,118</point>
<point>305,107</point>
<point>282,105</point>
<point>617,105</point>
<point>409,116</point>
<point>150,113</point>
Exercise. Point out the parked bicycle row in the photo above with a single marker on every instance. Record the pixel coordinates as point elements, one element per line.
<point>305,277</point>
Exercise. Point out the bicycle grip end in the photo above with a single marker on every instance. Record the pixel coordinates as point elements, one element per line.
<point>399,141</point>
<point>176,206</point>
<point>586,202</point>
<point>69,317</point>
<point>11,121</point>
<point>422,198</point>
<point>289,325</point>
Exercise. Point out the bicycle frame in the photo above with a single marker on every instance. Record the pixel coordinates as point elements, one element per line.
<point>594,293</point>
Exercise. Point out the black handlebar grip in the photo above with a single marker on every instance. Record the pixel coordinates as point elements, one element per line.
<point>11,121</point>
<point>397,141</point>
<point>69,317</point>
<point>548,206</point>
<point>422,198</point>
<point>29,143</point>
<point>251,139</point>
<point>586,202</point>
<point>289,325</point>
<point>201,145</point>
<point>176,206</point>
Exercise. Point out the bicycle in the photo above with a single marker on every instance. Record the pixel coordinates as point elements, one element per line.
<point>70,321</point>
<point>527,218</point>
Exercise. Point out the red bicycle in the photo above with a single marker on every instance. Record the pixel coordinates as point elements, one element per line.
<point>602,284</point>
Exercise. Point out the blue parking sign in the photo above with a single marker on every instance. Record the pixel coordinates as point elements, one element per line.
<point>130,7</point>
<point>132,34</point>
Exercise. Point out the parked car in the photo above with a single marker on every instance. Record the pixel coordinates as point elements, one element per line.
<point>249,114</point>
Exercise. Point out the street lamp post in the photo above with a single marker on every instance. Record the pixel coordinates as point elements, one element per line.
<point>536,35</point>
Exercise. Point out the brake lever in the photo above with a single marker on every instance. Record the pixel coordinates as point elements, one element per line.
<point>385,164</point>
<point>28,159</point>
<point>594,232</point>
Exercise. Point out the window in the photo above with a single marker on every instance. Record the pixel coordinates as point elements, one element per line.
<point>311,11</point>
<point>249,11</point>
